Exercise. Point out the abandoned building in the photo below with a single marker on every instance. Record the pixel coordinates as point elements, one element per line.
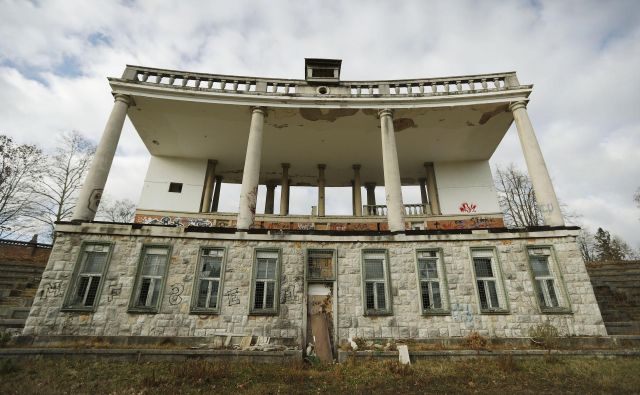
<point>440,267</point>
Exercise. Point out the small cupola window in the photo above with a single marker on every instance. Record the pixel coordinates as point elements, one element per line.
<point>322,71</point>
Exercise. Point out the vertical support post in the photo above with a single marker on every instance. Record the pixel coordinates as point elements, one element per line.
<point>432,188</point>
<point>93,186</point>
<point>423,191</point>
<point>357,191</point>
<point>392,183</point>
<point>251,172</point>
<point>271,194</point>
<point>371,197</point>
<point>321,185</point>
<point>216,194</point>
<point>209,181</point>
<point>284,192</point>
<point>536,167</point>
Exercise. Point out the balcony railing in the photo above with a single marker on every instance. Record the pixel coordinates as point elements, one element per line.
<point>409,210</point>
<point>470,84</point>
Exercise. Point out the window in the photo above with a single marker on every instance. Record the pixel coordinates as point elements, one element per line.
<point>152,271</point>
<point>208,285</point>
<point>89,272</point>
<point>175,187</point>
<point>376,282</point>
<point>266,277</point>
<point>320,265</point>
<point>548,291</point>
<point>433,285</point>
<point>488,281</point>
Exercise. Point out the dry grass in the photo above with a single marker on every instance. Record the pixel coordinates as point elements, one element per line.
<point>504,374</point>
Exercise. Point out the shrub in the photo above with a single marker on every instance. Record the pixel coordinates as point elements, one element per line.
<point>476,341</point>
<point>545,335</point>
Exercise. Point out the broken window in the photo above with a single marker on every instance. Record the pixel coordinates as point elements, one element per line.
<point>547,287</point>
<point>266,274</point>
<point>208,280</point>
<point>433,288</point>
<point>88,276</point>
<point>150,279</point>
<point>488,281</point>
<point>376,282</point>
<point>320,265</point>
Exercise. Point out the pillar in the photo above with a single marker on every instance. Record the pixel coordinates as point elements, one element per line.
<point>93,186</point>
<point>357,191</point>
<point>432,188</point>
<point>216,194</point>
<point>251,171</point>
<point>209,182</point>
<point>536,167</point>
<point>321,185</point>
<point>423,191</point>
<point>370,187</point>
<point>271,195</point>
<point>284,193</point>
<point>392,184</point>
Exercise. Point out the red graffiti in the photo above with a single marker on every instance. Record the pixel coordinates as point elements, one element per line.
<point>468,207</point>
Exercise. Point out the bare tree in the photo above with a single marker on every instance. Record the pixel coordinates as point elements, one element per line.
<point>116,211</point>
<point>586,243</point>
<point>66,171</point>
<point>21,168</point>
<point>516,198</point>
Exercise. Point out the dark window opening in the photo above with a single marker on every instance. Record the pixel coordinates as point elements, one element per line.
<point>175,187</point>
<point>322,73</point>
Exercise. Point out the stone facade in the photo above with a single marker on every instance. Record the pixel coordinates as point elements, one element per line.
<point>111,316</point>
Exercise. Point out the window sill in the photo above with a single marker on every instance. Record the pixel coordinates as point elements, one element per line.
<point>134,310</point>
<point>377,313</point>
<point>262,313</point>
<point>69,309</point>
<point>204,312</point>
<point>428,313</point>
<point>495,312</point>
<point>556,311</point>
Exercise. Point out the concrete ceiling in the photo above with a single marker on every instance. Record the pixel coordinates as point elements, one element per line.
<point>305,137</point>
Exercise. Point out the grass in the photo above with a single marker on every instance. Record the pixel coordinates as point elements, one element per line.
<point>504,374</point>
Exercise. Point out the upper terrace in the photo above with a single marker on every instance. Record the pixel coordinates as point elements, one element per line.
<point>326,131</point>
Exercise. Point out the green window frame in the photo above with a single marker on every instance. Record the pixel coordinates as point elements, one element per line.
<point>432,282</point>
<point>492,296</point>
<point>265,282</point>
<point>151,277</point>
<point>547,280</point>
<point>88,276</point>
<point>376,285</point>
<point>208,280</point>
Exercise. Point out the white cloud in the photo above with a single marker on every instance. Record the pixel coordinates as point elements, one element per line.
<point>583,57</point>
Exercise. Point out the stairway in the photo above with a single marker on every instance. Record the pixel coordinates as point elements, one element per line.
<point>617,289</point>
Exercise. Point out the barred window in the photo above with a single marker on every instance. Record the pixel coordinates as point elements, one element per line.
<point>488,281</point>
<point>88,277</point>
<point>376,283</point>
<point>208,280</point>
<point>320,265</point>
<point>265,282</point>
<point>433,290</point>
<point>545,281</point>
<point>151,278</point>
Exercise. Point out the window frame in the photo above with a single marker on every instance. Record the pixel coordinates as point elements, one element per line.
<point>138,280</point>
<point>334,264</point>
<point>75,277</point>
<point>501,289</point>
<point>275,310</point>
<point>556,274</point>
<point>442,280</point>
<point>197,278</point>
<point>388,310</point>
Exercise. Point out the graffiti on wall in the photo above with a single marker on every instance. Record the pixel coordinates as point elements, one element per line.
<point>114,290</point>
<point>174,295</point>
<point>232,296</point>
<point>52,290</point>
<point>466,207</point>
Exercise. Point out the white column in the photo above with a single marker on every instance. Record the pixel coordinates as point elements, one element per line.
<point>357,191</point>
<point>284,190</point>
<point>537,169</point>
<point>321,184</point>
<point>268,203</point>
<point>209,182</point>
<point>432,188</point>
<point>392,184</point>
<point>93,186</point>
<point>423,191</point>
<point>216,194</point>
<point>251,172</point>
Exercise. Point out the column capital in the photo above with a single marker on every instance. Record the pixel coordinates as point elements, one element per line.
<point>356,167</point>
<point>126,99</point>
<point>369,185</point>
<point>213,161</point>
<point>517,105</point>
<point>285,165</point>
<point>385,112</point>
<point>322,166</point>
<point>259,109</point>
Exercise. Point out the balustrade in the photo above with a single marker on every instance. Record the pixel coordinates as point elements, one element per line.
<point>409,210</point>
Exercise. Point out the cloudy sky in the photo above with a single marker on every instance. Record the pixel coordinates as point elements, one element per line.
<point>582,56</point>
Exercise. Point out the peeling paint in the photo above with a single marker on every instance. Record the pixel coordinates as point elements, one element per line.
<point>331,115</point>
<point>401,124</point>
<point>281,126</point>
<point>470,123</point>
<point>488,115</point>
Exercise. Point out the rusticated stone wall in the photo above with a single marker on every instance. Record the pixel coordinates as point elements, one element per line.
<point>406,321</point>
